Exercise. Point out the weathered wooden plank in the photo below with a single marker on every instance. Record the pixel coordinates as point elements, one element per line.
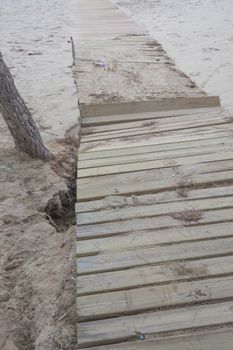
<point>153,255</point>
<point>139,183</point>
<point>149,238</point>
<point>208,157</point>
<point>157,148</point>
<point>153,210</point>
<point>199,133</point>
<point>124,118</point>
<point>213,340</point>
<point>168,272</point>
<point>106,162</point>
<point>150,298</point>
<point>153,154</point>
<point>148,106</point>
<point>154,129</point>
<point>182,166</point>
<point>166,221</point>
<point>182,194</point>
<point>123,126</point>
<point>157,152</point>
<point>128,328</point>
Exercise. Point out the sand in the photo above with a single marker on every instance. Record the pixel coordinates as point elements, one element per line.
<point>35,42</point>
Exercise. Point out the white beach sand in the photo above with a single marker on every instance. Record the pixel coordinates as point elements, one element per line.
<point>35,43</point>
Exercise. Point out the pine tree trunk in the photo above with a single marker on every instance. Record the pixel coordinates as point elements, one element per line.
<point>18,118</point>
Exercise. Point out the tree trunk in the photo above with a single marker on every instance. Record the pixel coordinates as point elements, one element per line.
<point>18,118</point>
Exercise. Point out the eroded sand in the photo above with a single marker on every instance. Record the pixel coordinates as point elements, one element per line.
<point>37,263</point>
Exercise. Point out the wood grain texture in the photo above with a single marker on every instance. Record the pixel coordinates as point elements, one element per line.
<point>154,210</point>
<point>150,298</point>
<point>175,136</point>
<point>166,221</point>
<point>181,194</point>
<point>156,129</point>
<point>150,181</point>
<point>154,152</point>
<point>141,256</point>
<point>168,272</point>
<point>149,238</point>
<point>120,329</point>
<point>120,126</point>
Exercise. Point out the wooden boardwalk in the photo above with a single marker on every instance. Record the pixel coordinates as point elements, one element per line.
<point>154,201</point>
<point>116,61</point>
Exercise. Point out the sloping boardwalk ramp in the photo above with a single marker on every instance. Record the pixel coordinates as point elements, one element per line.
<point>154,215</point>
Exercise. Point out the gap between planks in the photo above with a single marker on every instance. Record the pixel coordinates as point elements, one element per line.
<point>167,273</point>
<point>152,298</point>
<point>166,221</point>
<point>160,145</point>
<point>210,339</point>
<point>156,129</point>
<point>182,193</point>
<point>143,256</point>
<point>153,210</point>
<point>153,238</point>
<point>146,182</point>
<point>208,159</point>
<point>154,153</point>
<point>165,137</point>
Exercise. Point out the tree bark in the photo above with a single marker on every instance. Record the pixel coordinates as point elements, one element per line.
<point>18,117</point>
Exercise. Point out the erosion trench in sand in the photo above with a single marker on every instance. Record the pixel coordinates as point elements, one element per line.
<point>154,195</point>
